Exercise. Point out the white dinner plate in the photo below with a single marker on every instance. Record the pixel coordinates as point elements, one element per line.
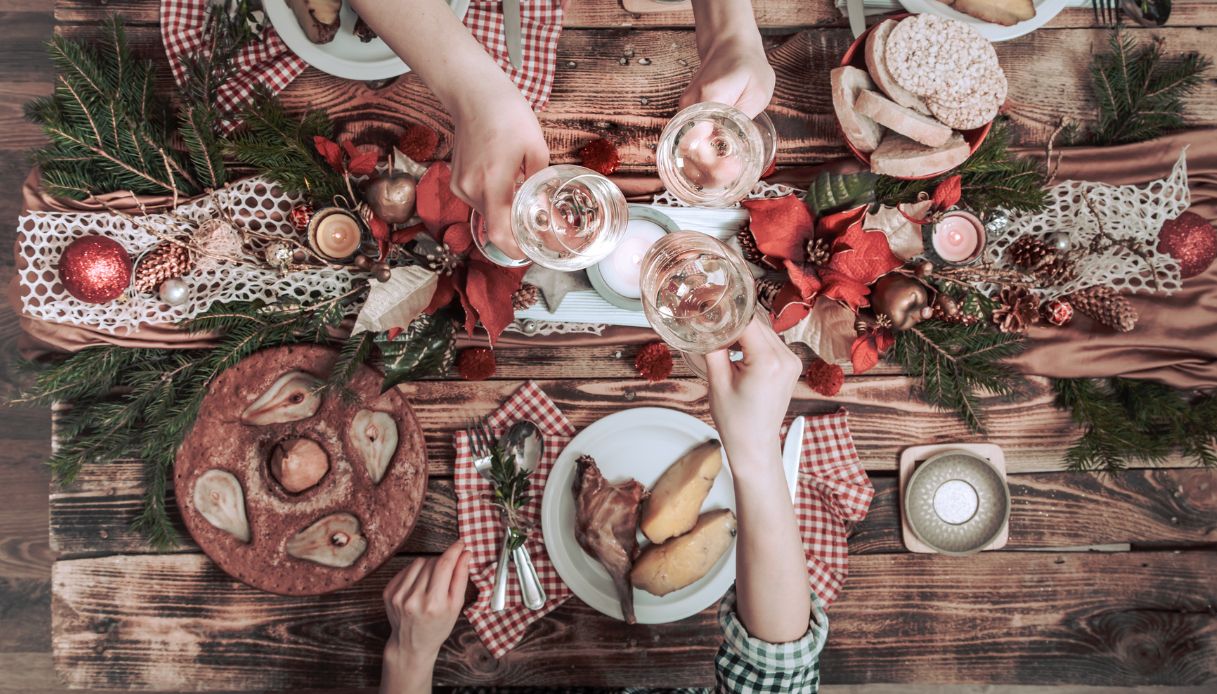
<point>1045,10</point>
<point>346,56</point>
<point>639,443</point>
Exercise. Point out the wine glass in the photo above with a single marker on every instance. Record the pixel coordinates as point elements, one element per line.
<point>711,154</point>
<point>697,293</point>
<point>563,218</point>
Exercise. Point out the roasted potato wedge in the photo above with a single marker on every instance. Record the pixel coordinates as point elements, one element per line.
<point>676,499</point>
<point>680,562</point>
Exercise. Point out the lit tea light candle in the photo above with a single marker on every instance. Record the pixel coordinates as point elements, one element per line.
<point>622,269</point>
<point>335,234</point>
<point>958,237</point>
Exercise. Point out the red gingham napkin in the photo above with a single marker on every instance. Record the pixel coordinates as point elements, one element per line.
<point>482,530</point>
<point>270,63</point>
<point>833,490</point>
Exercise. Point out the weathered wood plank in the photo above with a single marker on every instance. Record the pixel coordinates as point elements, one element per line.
<point>1049,510</point>
<point>595,96</point>
<point>609,14</point>
<point>1065,509</point>
<point>159,622</point>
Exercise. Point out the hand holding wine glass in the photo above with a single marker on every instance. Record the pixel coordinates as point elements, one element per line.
<point>734,69</point>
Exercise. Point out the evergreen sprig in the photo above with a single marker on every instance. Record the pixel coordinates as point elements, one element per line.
<point>991,178</point>
<point>956,364</point>
<point>1129,420</point>
<point>1140,92</point>
<point>511,485</point>
<point>280,146</point>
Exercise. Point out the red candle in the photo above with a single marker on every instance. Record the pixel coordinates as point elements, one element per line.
<point>958,237</point>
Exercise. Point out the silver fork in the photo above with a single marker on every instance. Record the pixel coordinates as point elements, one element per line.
<point>1106,12</point>
<point>481,441</point>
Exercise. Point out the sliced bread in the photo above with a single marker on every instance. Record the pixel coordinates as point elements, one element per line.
<point>876,65</point>
<point>900,157</point>
<point>1004,12</point>
<point>861,131</point>
<point>905,121</point>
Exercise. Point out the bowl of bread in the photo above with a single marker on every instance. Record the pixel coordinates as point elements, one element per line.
<point>915,95</point>
<point>996,20</point>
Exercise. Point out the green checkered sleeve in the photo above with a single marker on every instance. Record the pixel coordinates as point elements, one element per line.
<point>747,664</point>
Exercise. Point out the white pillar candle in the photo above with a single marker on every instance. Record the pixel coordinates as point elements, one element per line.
<point>958,237</point>
<point>622,269</point>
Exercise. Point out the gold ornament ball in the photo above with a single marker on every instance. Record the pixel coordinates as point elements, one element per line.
<point>391,197</point>
<point>381,272</point>
<point>901,299</point>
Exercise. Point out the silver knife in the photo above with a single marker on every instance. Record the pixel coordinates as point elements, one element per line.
<point>792,450</point>
<point>511,31</point>
<point>857,16</point>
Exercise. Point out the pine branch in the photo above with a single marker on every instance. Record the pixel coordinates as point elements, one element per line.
<point>955,365</point>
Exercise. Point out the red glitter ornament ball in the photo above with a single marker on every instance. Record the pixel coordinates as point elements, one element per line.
<point>1058,312</point>
<point>824,378</point>
<point>654,362</point>
<point>301,215</point>
<point>95,269</point>
<point>600,156</point>
<point>1191,240</point>
<point>476,364</point>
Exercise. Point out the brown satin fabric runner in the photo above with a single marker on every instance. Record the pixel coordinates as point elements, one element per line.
<point>1175,341</point>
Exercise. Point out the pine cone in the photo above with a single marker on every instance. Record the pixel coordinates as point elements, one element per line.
<point>818,251</point>
<point>1055,270</point>
<point>166,261</point>
<point>525,297</point>
<point>1027,252</point>
<point>1017,308</point>
<point>747,244</point>
<point>767,289</point>
<point>1105,306</point>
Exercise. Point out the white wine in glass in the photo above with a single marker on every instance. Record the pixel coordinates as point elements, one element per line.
<point>563,217</point>
<point>711,154</point>
<point>697,293</point>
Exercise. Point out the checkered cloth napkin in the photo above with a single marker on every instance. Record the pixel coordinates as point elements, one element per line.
<point>481,528</point>
<point>833,491</point>
<point>272,64</point>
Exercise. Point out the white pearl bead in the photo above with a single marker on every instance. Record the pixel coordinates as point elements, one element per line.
<point>174,292</point>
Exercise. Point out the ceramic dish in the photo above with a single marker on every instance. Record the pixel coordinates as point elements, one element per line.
<point>1045,10</point>
<point>639,443</point>
<point>856,56</point>
<point>597,279</point>
<point>956,502</point>
<point>346,56</point>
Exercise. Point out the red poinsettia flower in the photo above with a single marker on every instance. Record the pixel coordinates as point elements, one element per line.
<point>946,195</point>
<point>782,228</point>
<point>483,288</point>
<point>868,347</point>
<point>357,162</point>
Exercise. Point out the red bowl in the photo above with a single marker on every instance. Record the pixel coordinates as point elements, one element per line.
<point>856,57</point>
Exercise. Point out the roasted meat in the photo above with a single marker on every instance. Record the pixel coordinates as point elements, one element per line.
<point>606,525</point>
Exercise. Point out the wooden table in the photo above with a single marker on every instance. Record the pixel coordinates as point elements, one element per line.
<point>1142,612</point>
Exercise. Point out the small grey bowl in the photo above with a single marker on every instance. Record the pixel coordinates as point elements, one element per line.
<point>593,273</point>
<point>956,502</point>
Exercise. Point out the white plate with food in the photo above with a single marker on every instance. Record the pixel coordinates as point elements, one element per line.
<point>642,444</point>
<point>996,20</point>
<point>334,47</point>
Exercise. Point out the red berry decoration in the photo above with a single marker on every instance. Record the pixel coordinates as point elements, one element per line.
<point>301,215</point>
<point>654,362</point>
<point>1191,240</point>
<point>1058,312</point>
<point>95,269</point>
<point>600,156</point>
<point>476,364</point>
<point>419,142</point>
<point>824,378</point>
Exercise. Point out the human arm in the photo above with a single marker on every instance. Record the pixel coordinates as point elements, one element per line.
<point>422,602</point>
<point>497,134</point>
<point>734,69</point>
<point>748,401</point>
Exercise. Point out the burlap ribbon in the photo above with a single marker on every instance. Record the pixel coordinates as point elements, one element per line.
<point>1175,341</point>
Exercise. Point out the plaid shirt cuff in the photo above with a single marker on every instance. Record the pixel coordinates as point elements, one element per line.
<point>747,664</point>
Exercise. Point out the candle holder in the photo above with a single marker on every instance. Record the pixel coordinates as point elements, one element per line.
<point>957,239</point>
<point>335,234</point>
<point>638,213</point>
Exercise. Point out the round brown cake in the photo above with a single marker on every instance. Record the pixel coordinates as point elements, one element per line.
<point>310,516</point>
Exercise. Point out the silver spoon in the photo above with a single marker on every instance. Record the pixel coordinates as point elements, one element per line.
<point>523,440</point>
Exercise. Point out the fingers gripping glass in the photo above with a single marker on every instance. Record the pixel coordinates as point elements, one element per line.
<point>712,155</point>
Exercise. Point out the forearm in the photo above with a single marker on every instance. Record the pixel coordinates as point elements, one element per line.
<point>434,43</point>
<point>403,674</point>
<point>773,599</point>
<point>723,20</point>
